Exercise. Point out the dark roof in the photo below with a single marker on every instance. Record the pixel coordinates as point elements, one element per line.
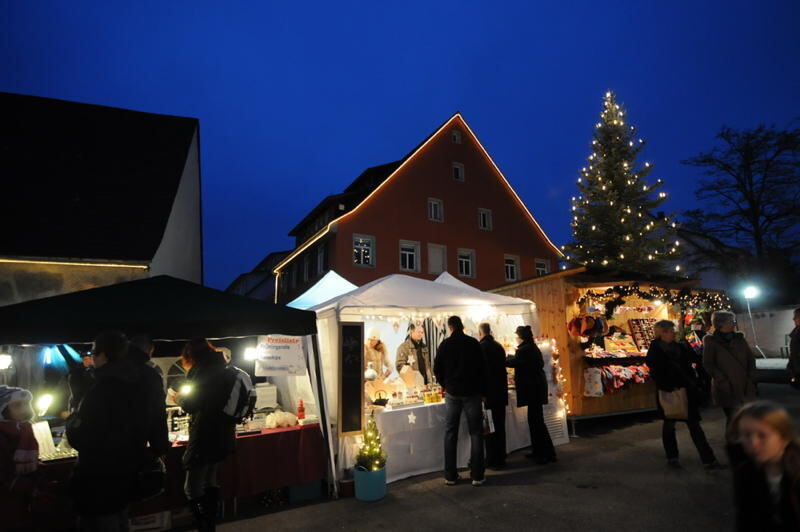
<point>164,307</point>
<point>362,186</point>
<point>85,181</point>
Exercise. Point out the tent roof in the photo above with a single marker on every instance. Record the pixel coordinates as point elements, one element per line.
<point>163,307</point>
<point>330,286</point>
<point>394,293</point>
<point>447,279</point>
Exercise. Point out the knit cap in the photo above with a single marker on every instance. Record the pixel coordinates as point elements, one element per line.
<point>9,394</point>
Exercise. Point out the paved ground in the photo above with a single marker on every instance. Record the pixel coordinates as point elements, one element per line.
<point>612,478</point>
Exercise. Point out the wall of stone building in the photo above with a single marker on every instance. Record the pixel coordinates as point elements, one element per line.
<point>23,281</point>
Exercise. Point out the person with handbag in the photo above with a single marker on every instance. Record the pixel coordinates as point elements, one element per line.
<point>731,363</point>
<point>678,392</point>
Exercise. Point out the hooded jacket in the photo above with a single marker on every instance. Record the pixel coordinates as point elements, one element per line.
<point>529,377</point>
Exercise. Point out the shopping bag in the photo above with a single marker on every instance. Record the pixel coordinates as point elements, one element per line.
<point>488,422</point>
<point>675,404</point>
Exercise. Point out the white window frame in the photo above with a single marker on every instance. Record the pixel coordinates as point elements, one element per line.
<point>357,236</point>
<point>455,136</point>
<point>490,222</point>
<point>515,259</point>
<point>543,262</point>
<point>460,167</point>
<point>431,203</point>
<point>472,263</point>
<point>417,255</point>
<point>444,258</point>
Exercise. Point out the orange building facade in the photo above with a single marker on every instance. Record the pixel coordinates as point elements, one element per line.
<point>444,207</point>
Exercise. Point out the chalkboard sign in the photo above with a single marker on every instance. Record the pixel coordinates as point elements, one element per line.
<point>351,371</point>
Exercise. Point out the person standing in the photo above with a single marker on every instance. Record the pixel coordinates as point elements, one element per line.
<point>494,357</point>
<point>531,384</point>
<point>375,352</point>
<point>212,434</point>
<point>109,431</point>
<point>766,468</point>
<point>670,366</point>
<point>794,352</point>
<point>413,352</point>
<point>731,363</point>
<point>460,369</point>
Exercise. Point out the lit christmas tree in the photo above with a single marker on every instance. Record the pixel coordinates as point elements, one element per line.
<point>371,456</point>
<point>614,219</point>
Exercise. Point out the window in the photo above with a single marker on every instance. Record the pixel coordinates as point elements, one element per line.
<point>485,219</point>
<point>466,263</point>
<point>437,259</point>
<point>322,258</point>
<point>458,172</point>
<point>455,135</point>
<point>512,268</point>
<point>363,252</point>
<point>542,267</point>
<point>409,256</point>
<point>435,210</point>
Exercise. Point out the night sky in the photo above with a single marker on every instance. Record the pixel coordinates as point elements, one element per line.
<point>295,100</point>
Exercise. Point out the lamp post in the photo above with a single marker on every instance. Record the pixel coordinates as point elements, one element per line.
<point>751,292</point>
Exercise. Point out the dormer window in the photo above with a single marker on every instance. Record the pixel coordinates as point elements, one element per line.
<point>455,136</point>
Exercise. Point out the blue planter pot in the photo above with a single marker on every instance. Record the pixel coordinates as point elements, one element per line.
<point>370,485</point>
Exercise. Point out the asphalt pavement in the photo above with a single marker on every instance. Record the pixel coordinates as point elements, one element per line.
<point>613,477</point>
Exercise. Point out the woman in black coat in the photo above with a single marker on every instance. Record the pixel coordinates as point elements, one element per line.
<point>671,368</point>
<point>211,432</point>
<point>531,384</point>
<point>765,456</point>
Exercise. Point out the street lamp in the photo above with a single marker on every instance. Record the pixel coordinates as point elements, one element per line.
<point>751,292</point>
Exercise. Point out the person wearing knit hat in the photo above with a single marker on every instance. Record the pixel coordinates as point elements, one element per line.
<point>19,456</point>
<point>375,353</point>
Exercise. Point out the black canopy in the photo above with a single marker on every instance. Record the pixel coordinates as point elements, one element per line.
<point>163,307</point>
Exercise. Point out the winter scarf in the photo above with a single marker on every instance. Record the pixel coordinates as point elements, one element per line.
<point>26,449</point>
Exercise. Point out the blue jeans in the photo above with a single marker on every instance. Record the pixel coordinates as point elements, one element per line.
<point>471,406</point>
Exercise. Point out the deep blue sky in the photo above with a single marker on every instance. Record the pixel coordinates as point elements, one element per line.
<point>296,98</point>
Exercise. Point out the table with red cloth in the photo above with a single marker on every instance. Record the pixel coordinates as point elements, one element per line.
<point>271,459</point>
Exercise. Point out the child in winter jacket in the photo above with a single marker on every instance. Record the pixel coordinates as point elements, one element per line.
<point>19,457</point>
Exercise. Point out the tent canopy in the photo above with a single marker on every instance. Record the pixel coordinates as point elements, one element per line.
<point>163,307</point>
<point>402,293</point>
<point>330,286</point>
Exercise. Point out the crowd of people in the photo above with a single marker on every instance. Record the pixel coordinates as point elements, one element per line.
<point>117,420</point>
<point>117,423</point>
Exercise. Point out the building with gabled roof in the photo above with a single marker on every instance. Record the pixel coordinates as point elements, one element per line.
<point>95,195</point>
<point>445,206</point>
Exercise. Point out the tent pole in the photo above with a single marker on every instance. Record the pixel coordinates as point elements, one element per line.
<point>323,414</point>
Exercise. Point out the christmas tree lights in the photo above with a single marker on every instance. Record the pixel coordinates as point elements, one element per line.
<point>371,456</point>
<point>614,224</point>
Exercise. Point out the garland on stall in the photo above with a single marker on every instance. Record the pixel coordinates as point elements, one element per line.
<point>685,298</point>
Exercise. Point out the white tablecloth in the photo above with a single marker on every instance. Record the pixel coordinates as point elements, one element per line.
<point>413,438</point>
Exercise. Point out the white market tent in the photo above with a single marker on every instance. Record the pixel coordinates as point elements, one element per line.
<point>389,303</point>
<point>331,285</point>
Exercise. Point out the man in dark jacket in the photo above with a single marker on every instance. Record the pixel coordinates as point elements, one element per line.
<point>110,432</point>
<point>140,351</point>
<point>794,351</point>
<point>494,357</point>
<point>531,385</point>
<point>460,369</point>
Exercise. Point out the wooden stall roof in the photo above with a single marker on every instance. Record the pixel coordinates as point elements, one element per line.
<point>592,277</point>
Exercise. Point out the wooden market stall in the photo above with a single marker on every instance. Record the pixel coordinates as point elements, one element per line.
<point>628,301</point>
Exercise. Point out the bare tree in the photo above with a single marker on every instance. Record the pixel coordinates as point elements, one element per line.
<point>751,198</point>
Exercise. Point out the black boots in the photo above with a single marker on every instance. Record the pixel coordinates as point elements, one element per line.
<point>204,510</point>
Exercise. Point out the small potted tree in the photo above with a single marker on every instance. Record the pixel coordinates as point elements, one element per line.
<point>370,469</point>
